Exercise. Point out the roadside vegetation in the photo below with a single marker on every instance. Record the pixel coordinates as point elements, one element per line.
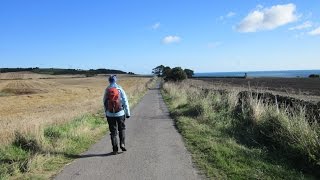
<point>40,153</point>
<point>39,156</point>
<point>244,137</point>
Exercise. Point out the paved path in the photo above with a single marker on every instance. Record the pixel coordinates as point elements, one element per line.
<point>155,149</point>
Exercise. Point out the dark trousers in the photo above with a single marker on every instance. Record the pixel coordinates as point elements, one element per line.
<point>117,124</point>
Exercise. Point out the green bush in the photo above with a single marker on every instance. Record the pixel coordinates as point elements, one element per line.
<point>176,74</point>
<point>314,76</point>
<point>189,73</point>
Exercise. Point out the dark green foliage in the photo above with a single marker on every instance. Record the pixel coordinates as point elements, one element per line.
<point>314,76</point>
<point>57,71</point>
<point>4,70</point>
<point>166,71</point>
<point>90,74</point>
<point>176,74</point>
<point>158,70</point>
<point>189,73</point>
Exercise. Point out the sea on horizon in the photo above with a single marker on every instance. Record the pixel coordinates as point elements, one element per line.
<point>283,74</point>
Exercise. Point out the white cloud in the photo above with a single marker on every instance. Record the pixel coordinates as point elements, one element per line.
<point>156,26</point>
<point>305,25</point>
<point>231,14</point>
<point>171,39</point>
<point>315,32</point>
<point>268,18</point>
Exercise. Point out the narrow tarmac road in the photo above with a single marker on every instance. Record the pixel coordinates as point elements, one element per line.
<point>155,149</point>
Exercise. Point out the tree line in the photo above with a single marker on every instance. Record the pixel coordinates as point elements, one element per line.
<point>58,71</point>
<point>172,74</point>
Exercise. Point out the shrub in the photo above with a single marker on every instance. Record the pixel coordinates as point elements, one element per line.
<point>176,74</point>
<point>189,73</point>
<point>314,76</point>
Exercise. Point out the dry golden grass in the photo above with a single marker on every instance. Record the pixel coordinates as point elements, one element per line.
<point>31,75</point>
<point>31,104</point>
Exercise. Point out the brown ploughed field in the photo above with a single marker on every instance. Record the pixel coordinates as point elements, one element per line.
<point>302,88</point>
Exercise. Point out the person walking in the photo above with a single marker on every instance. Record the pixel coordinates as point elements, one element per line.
<point>117,109</point>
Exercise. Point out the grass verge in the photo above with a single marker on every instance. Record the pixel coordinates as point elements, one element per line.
<point>252,140</point>
<point>39,157</point>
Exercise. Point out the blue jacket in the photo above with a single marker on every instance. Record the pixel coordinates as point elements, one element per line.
<point>124,100</point>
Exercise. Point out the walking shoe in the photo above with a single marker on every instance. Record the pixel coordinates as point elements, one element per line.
<point>122,147</point>
<point>115,150</point>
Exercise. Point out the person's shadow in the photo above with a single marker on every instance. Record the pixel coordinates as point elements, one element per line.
<point>90,155</point>
<point>77,156</point>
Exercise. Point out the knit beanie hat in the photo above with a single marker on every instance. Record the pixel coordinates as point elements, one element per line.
<point>113,78</point>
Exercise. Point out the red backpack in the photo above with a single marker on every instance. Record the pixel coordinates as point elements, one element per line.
<point>114,100</point>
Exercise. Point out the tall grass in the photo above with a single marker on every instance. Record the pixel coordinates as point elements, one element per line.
<point>31,156</point>
<point>240,137</point>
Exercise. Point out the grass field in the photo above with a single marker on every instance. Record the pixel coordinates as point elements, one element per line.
<point>27,105</point>
<point>233,137</point>
<point>46,123</point>
<point>31,75</point>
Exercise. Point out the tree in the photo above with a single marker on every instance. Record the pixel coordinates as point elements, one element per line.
<point>166,71</point>
<point>189,72</point>
<point>176,74</point>
<point>158,70</point>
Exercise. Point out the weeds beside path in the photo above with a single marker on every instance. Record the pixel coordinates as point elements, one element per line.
<point>252,140</point>
<point>32,157</point>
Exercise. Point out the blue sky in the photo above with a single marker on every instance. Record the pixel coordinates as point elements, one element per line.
<point>203,35</point>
